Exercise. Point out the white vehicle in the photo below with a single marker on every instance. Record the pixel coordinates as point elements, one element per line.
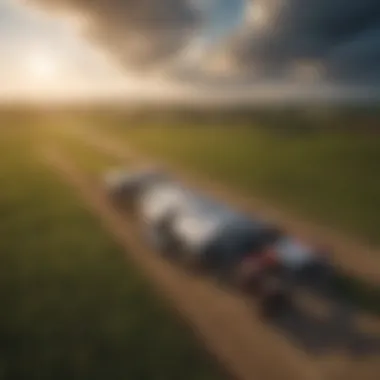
<point>196,230</point>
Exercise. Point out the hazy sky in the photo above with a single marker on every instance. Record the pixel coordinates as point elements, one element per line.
<point>60,47</point>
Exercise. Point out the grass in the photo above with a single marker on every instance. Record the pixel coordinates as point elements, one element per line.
<point>94,162</point>
<point>72,307</point>
<point>331,178</point>
<point>364,295</point>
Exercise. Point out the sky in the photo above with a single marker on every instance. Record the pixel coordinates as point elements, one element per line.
<point>149,48</point>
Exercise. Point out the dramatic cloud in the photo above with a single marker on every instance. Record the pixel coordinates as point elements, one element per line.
<point>357,60</point>
<point>332,40</point>
<point>138,32</point>
<point>341,36</point>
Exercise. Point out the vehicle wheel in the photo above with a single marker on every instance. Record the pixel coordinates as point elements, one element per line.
<point>121,202</point>
<point>274,305</point>
<point>273,293</point>
<point>192,264</point>
<point>114,198</point>
<point>250,287</point>
<point>171,249</point>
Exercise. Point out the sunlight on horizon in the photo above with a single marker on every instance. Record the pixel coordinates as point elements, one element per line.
<point>69,52</point>
<point>43,56</point>
<point>43,66</point>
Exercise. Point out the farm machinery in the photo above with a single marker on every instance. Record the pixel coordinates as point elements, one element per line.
<point>206,236</point>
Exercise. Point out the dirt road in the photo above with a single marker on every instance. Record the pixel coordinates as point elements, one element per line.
<point>227,323</point>
<point>353,257</point>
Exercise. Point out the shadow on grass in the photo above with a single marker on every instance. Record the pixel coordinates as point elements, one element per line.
<point>337,327</point>
<point>361,293</point>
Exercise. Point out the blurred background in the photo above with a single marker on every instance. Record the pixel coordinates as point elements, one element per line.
<point>275,99</point>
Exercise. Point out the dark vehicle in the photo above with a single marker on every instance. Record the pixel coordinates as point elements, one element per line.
<point>205,236</point>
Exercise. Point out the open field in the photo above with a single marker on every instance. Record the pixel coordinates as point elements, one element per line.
<point>85,312</point>
<point>329,178</point>
<point>72,306</point>
<point>359,289</point>
<point>304,344</point>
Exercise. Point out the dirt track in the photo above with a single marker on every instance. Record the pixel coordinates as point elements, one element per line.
<point>228,325</point>
<point>355,258</point>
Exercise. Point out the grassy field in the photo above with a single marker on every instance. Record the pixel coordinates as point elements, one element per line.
<point>330,178</point>
<point>358,291</point>
<point>71,306</point>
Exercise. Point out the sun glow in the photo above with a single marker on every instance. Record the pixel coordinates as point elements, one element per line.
<point>42,66</point>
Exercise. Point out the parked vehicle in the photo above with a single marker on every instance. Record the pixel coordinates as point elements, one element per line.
<point>207,236</point>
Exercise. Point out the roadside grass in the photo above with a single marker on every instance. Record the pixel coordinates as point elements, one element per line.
<point>331,177</point>
<point>94,162</point>
<point>71,306</point>
<point>361,293</point>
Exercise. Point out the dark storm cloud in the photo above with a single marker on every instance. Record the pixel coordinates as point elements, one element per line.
<point>343,34</point>
<point>138,32</point>
<point>357,60</point>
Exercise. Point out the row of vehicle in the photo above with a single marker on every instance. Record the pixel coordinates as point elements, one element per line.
<point>208,236</point>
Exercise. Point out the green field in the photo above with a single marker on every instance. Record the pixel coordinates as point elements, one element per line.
<point>357,290</point>
<point>331,178</point>
<point>72,307</point>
